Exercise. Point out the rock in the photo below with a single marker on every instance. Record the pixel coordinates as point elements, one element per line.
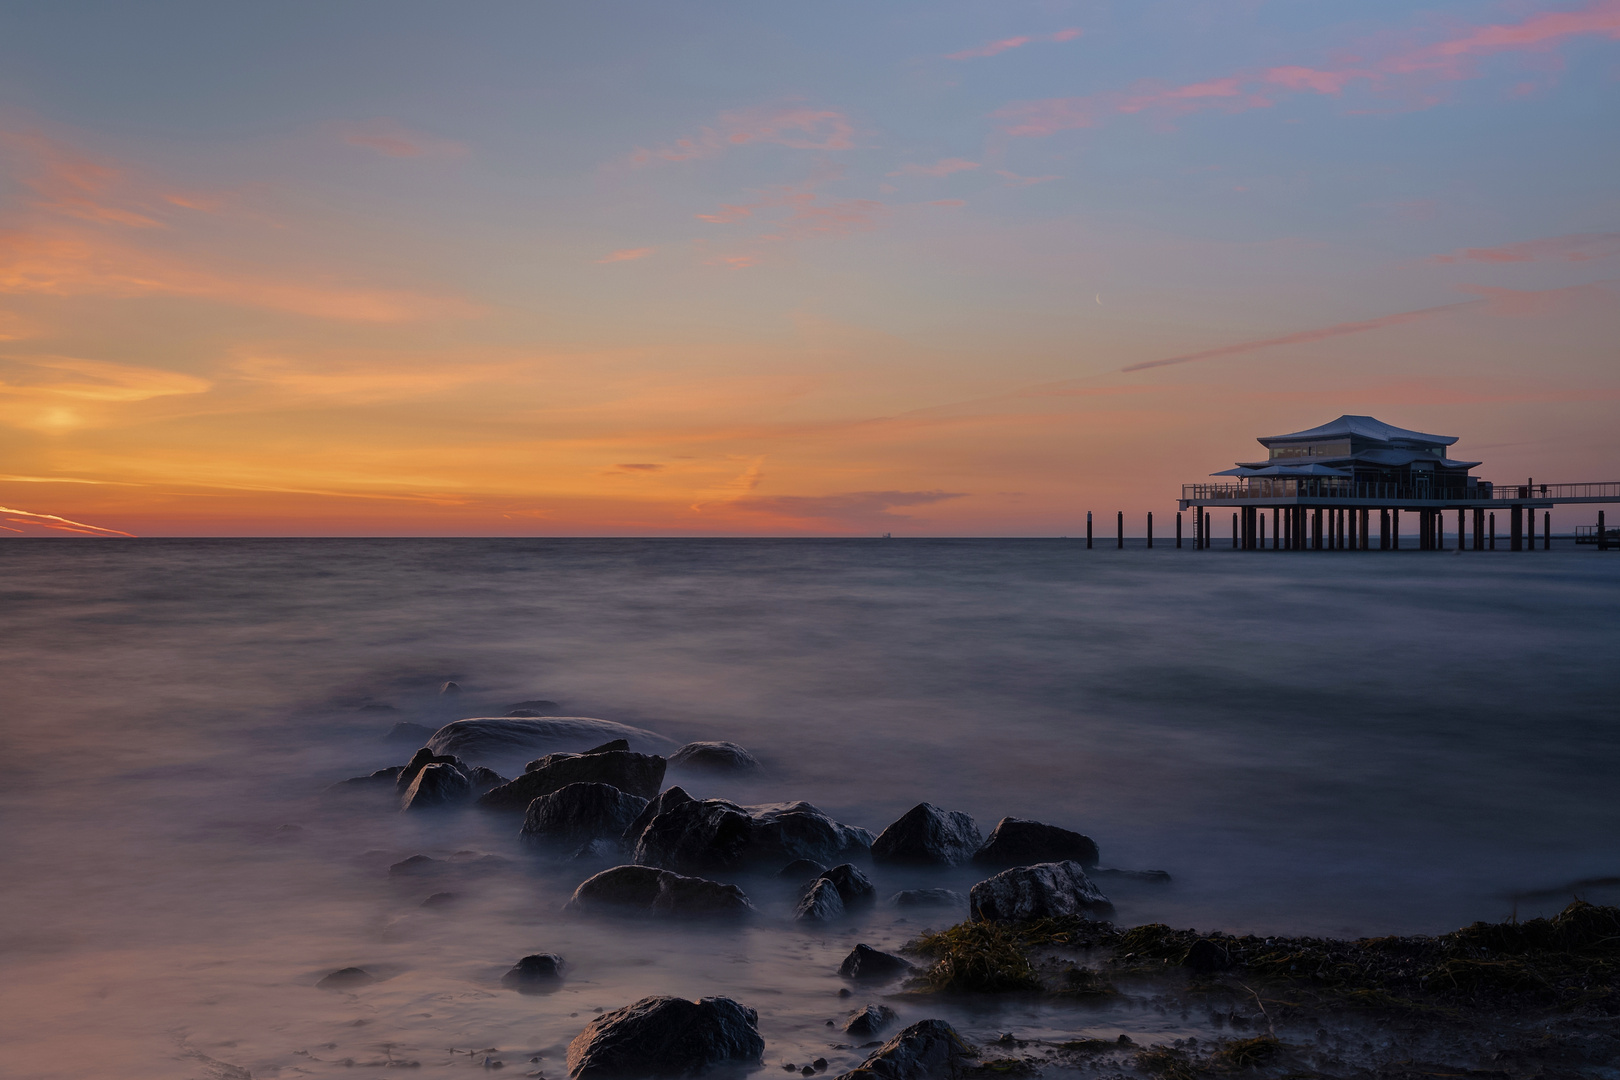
<point>579,813</point>
<point>536,974</point>
<point>714,757</point>
<point>449,689</point>
<point>854,887</point>
<point>498,738</point>
<point>868,964</point>
<point>421,760</point>
<point>346,978</point>
<point>864,1023</point>
<point>928,836</point>
<point>441,900</point>
<point>801,870</point>
<point>667,798</point>
<point>381,778</point>
<point>666,1037</point>
<point>1018,842</point>
<point>407,732</point>
<point>927,1050</point>
<point>1206,956</point>
<point>715,834</point>
<point>921,898</point>
<point>483,779</point>
<point>646,888</point>
<point>611,744</point>
<point>1043,891</point>
<point>608,850</point>
<point>634,774</point>
<point>417,866</point>
<point>535,706</point>
<point>436,786</point>
<point>821,902</point>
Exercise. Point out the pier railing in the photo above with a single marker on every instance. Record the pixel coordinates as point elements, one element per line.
<point>1328,487</point>
<point>1595,492</point>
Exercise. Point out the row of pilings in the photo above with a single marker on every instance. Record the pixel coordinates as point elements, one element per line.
<point>1301,528</point>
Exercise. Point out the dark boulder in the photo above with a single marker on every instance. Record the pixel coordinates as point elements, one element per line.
<point>500,738</point>
<point>672,796</point>
<point>346,979</point>
<point>927,1050</point>
<point>1018,842</point>
<point>714,757</point>
<point>715,834</point>
<point>482,779</point>
<point>1206,957</point>
<point>382,778</point>
<point>867,1022</point>
<point>1146,877</point>
<point>602,850</point>
<point>868,964</point>
<point>437,786</point>
<point>801,870</point>
<point>820,903</point>
<point>579,813</point>
<point>1043,891</point>
<point>449,688</point>
<point>927,898</point>
<point>634,774</point>
<point>854,887</point>
<point>536,974</point>
<point>666,1037</point>
<point>418,866</point>
<point>925,835</point>
<point>627,889</point>
<point>421,760</point>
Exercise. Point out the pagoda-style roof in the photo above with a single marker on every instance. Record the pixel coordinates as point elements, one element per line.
<point>1365,427</point>
<point>1393,459</point>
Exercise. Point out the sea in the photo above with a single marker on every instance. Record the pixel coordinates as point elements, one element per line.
<point>1333,743</point>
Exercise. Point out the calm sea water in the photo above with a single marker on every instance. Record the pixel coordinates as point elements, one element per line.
<point>1317,742</point>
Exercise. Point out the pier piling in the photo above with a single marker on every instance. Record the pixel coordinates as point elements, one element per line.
<point>1603,537</point>
<point>1121,544</point>
<point>1546,530</point>
<point>1178,529</point>
<point>1088,530</point>
<point>1150,528</point>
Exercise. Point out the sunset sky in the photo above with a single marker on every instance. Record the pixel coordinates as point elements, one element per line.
<point>931,268</point>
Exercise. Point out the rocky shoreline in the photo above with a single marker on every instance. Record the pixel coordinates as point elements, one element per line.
<point>1537,998</point>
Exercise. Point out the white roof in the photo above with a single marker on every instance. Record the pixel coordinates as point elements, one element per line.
<point>1365,426</point>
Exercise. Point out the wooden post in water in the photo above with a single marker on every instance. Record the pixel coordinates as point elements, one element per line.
<point>1234,532</point>
<point>1088,530</point>
<point>1603,536</point>
<point>1461,546</point>
<point>1276,528</point>
<point>1530,515</point>
<point>1493,530</point>
<point>1178,528</point>
<point>1546,530</point>
<point>1395,528</point>
<point>1121,544</point>
<point>1516,528</point>
<point>1150,528</point>
<point>1261,517</point>
<point>1479,528</point>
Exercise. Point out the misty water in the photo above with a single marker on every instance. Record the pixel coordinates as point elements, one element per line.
<point>1337,743</point>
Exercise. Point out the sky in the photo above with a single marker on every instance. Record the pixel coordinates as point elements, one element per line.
<point>942,268</point>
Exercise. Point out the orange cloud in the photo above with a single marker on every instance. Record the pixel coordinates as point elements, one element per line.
<point>995,48</point>
<point>1442,61</point>
<point>69,183</point>
<point>627,255</point>
<point>798,127</point>
<point>53,393</point>
<point>1577,247</point>
<point>392,139</point>
<point>943,167</point>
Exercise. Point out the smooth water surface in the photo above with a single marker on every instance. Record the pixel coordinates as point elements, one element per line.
<point>1342,743</point>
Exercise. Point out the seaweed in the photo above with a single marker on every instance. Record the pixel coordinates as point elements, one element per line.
<point>1246,1053</point>
<point>975,957</point>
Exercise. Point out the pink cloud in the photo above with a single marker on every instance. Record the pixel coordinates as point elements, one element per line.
<point>728,213</point>
<point>72,184</point>
<point>994,48</point>
<point>1444,61</point>
<point>392,139</point>
<point>799,127</point>
<point>811,218</point>
<point>1577,247</point>
<point>943,167</point>
<point>627,254</point>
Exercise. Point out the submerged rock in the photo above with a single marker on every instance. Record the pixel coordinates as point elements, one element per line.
<point>854,887</point>
<point>449,688</point>
<point>536,974</point>
<point>579,813</point>
<point>922,898</point>
<point>436,786</point>
<point>486,738</point>
<point>1149,877</point>
<point>925,835</point>
<point>1020,842</point>
<point>624,889</point>
<point>417,866</point>
<point>407,732</point>
<point>346,978</point>
<point>379,779</point>
<point>927,1050</point>
<point>801,870</point>
<point>864,1023</point>
<point>820,903</point>
<point>421,760</point>
<point>669,797</point>
<point>1043,891</point>
<point>635,774</point>
<point>605,849</point>
<point>715,834</point>
<point>714,756</point>
<point>666,1037</point>
<point>442,900</point>
<point>483,779</point>
<point>868,964</point>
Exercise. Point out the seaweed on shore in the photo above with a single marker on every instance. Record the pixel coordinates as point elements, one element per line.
<point>1569,960</point>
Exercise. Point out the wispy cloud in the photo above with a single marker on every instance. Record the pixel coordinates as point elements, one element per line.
<point>627,255</point>
<point>60,393</point>
<point>799,127</point>
<point>1401,69</point>
<point>995,48</point>
<point>392,139</point>
<point>943,167</point>
<point>26,522</point>
<point>69,183</point>
<point>1576,247</point>
<point>855,509</point>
